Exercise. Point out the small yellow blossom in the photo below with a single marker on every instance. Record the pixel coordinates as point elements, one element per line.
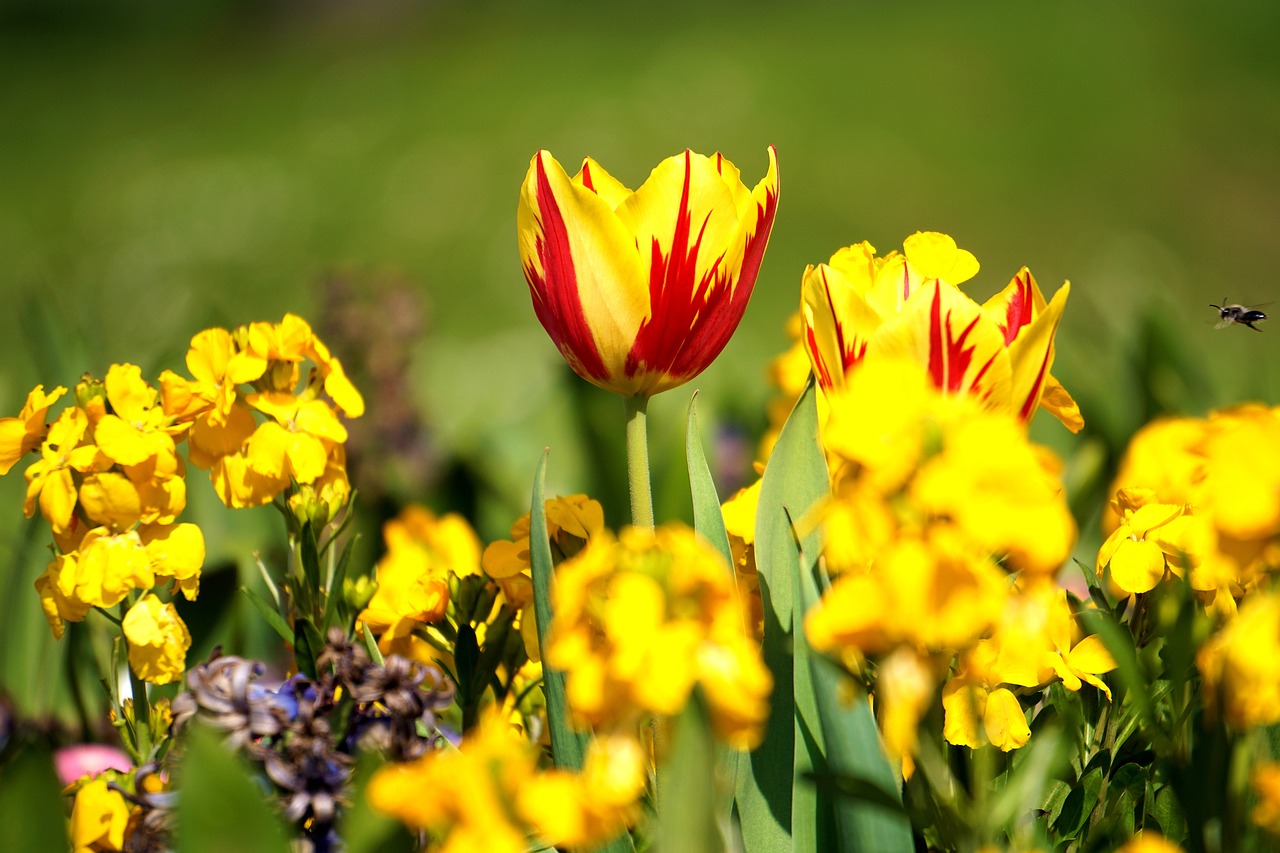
<point>20,435</point>
<point>158,640</point>
<point>49,479</point>
<point>413,577</point>
<point>99,818</point>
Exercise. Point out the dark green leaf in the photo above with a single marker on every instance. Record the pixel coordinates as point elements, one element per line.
<point>1079,803</point>
<point>708,519</point>
<point>1169,815</point>
<point>371,645</point>
<point>269,614</point>
<point>336,608</point>
<point>567,746</point>
<point>307,644</point>
<point>222,809</point>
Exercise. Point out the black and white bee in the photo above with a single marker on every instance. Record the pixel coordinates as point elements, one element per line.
<point>1229,315</point>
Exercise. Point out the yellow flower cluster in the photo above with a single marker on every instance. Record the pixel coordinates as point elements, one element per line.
<point>936,499</point>
<point>1198,498</point>
<point>423,552</point>
<point>111,484</point>
<point>490,795</point>
<point>642,619</point>
<point>300,438</point>
<point>571,522</point>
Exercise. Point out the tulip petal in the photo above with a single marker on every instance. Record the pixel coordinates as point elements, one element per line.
<point>702,275</point>
<point>1031,352</point>
<point>943,329</point>
<point>1056,401</point>
<point>583,269</point>
<point>936,255</point>
<point>838,324</point>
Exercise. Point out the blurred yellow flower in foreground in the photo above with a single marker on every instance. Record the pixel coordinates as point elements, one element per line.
<point>99,818</point>
<point>490,795</point>
<point>643,618</point>
<point>1240,664</point>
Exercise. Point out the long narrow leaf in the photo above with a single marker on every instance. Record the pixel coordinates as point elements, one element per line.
<point>707,517</point>
<point>567,746</point>
<point>687,795</point>
<point>852,743</point>
<point>269,614</point>
<point>767,777</point>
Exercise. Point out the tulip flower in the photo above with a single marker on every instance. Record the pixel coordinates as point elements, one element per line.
<point>859,306</point>
<point>641,290</point>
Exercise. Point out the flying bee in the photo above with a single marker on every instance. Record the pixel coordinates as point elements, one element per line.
<point>1242,314</point>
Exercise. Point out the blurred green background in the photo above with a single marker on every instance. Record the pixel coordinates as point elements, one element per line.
<point>168,167</point>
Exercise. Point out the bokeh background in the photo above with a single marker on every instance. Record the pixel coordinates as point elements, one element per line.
<point>166,167</point>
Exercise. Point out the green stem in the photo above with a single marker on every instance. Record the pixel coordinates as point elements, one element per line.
<point>638,461</point>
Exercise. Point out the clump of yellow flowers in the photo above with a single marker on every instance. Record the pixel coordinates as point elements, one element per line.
<point>111,483</point>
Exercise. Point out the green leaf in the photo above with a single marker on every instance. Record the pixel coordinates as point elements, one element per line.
<point>766,777</point>
<point>269,614</point>
<point>708,519</point>
<point>1169,815</point>
<point>1082,798</point>
<point>307,644</point>
<point>222,809</point>
<point>371,645</point>
<point>336,607</point>
<point>872,819</point>
<point>567,746</point>
<point>687,821</point>
<point>31,805</point>
<point>1133,678</point>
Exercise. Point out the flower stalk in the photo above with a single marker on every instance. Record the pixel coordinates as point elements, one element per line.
<point>638,461</point>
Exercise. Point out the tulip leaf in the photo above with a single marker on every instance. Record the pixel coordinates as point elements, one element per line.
<point>870,815</point>
<point>687,819</point>
<point>708,519</point>
<point>794,479</point>
<point>222,809</point>
<point>567,746</point>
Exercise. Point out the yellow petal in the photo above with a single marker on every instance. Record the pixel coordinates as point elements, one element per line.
<point>838,324</point>
<point>937,256</point>
<point>1004,721</point>
<point>1137,566</point>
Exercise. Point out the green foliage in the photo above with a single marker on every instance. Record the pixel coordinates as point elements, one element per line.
<point>223,808</point>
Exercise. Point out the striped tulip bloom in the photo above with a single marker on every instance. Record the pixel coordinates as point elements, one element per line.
<point>641,290</point>
<point>908,305</point>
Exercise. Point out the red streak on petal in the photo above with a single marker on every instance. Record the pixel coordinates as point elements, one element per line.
<point>691,317</point>
<point>820,366</point>
<point>556,300</point>
<point>906,283</point>
<point>1033,398</point>
<point>949,358</point>
<point>586,177</point>
<point>1018,311</point>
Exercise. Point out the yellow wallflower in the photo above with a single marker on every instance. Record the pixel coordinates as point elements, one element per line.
<point>20,435</point>
<point>1149,536</point>
<point>489,795</point>
<point>99,818</point>
<point>641,619</point>
<point>49,479</point>
<point>413,576</point>
<point>1240,664</point>
<point>571,522</point>
<point>158,640</point>
<point>137,431</point>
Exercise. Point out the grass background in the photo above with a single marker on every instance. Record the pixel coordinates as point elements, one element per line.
<point>168,167</point>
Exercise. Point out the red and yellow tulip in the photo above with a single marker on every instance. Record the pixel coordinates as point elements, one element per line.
<point>908,305</point>
<point>640,291</point>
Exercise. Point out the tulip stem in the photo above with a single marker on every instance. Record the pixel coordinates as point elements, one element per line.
<point>638,461</point>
